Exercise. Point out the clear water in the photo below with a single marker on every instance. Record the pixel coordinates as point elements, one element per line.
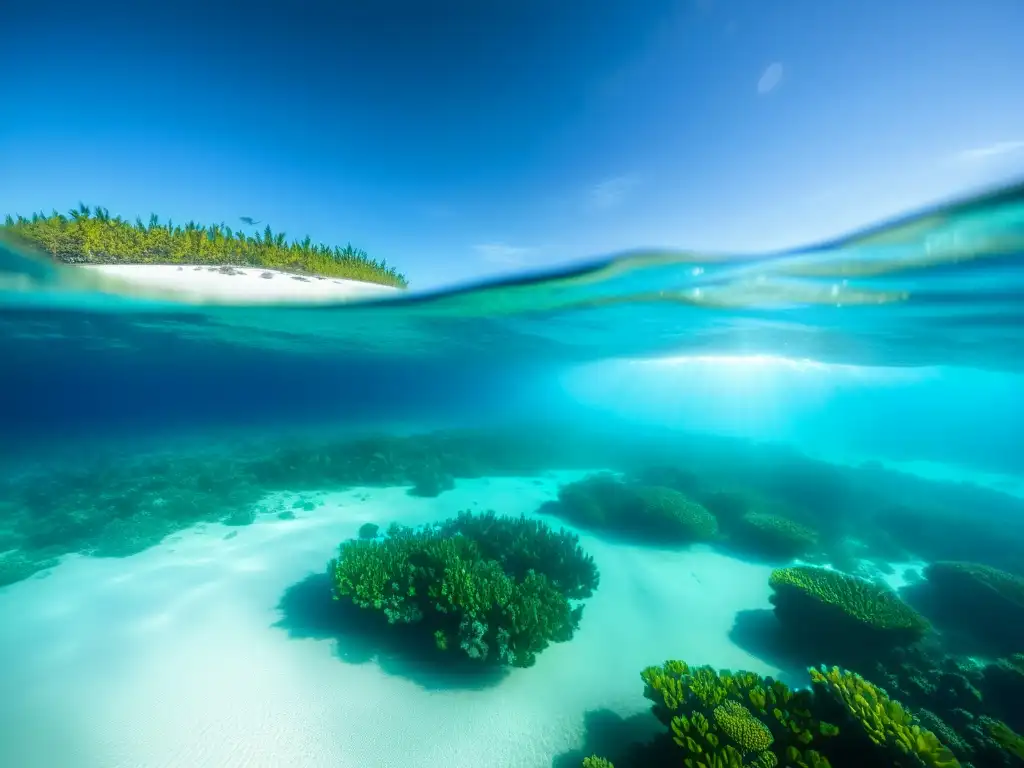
<point>176,477</point>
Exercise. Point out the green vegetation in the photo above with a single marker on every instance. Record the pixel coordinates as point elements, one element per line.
<point>91,236</point>
<point>885,721</point>
<point>15,567</point>
<point>677,478</point>
<point>983,581</point>
<point>1008,739</point>
<point>603,503</point>
<point>967,704</point>
<point>735,719</point>
<point>773,536</point>
<point>117,505</point>
<point>521,545</point>
<point>727,506</point>
<point>844,612</point>
<point>723,719</point>
<point>499,588</point>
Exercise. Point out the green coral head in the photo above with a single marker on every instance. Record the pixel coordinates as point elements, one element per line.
<point>780,527</point>
<point>669,505</point>
<point>866,602</point>
<point>746,731</point>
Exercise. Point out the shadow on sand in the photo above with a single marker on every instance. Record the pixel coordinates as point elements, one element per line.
<point>308,612</point>
<point>759,633</point>
<point>615,738</point>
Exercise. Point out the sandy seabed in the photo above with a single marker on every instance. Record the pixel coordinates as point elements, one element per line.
<point>217,649</point>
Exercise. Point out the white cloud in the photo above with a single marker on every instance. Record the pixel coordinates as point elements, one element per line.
<point>998,149</point>
<point>610,192</point>
<point>504,254</point>
<point>770,78</point>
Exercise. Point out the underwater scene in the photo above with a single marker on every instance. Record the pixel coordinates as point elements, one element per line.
<point>668,509</point>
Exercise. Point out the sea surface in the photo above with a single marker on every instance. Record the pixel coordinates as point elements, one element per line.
<point>228,533</point>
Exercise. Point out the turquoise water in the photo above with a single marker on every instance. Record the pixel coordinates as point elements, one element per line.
<point>762,463</point>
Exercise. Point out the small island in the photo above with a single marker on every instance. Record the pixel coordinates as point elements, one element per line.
<point>91,236</point>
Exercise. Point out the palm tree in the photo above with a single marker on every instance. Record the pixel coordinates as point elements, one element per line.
<point>91,234</point>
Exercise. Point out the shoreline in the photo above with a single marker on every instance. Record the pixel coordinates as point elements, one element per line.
<point>226,283</point>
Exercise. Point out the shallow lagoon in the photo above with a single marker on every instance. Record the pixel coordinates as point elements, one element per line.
<point>176,478</point>
<point>221,644</point>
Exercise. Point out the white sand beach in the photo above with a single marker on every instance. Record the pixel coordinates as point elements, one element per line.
<point>217,649</point>
<point>232,284</point>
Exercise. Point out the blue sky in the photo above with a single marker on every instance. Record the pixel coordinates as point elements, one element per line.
<point>483,136</point>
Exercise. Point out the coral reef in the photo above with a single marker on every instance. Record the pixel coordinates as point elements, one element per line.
<point>743,720</point>
<point>669,510</point>
<point>926,677</point>
<point>603,503</point>
<point>727,506</point>
<point>957,698</point>
<point>117,503</point>
<point>521,545</point>
<point>885,721</point>
<point>977,741</point>
<point>1002,685</point>
<point>930,525</point>
<point>669,476</point>
<point>482,584</point>
<point>981,607</point>
<point>735,719</point>
<point>773,536</point>
<point>107,508</point>
<point>430,481</point>
<point>15,567</point>
<point>1006,738</point>
<point>844,617</point>
<point>747,732</point>
<point>499,590</point>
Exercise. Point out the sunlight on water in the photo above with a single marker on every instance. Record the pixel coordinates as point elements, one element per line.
<point>527,524</point>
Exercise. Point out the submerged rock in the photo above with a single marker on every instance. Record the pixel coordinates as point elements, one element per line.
<point>431,483</point>
<point>241,516</point>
